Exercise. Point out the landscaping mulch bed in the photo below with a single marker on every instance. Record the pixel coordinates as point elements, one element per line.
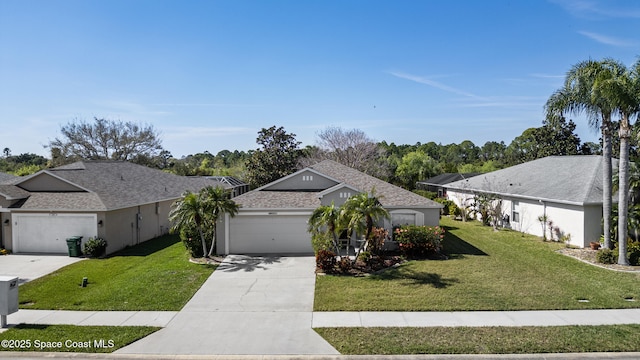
<point>589,256</point>
<point>360,268</point>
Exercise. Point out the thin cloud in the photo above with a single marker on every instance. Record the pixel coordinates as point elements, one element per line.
<point>432,83</point>
<point>591,9</point>
<point>607,40</point>
<point>207,105</point>
<point>547,76</point>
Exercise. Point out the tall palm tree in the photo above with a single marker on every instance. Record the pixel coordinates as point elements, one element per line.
<point>327,216</point>
<point>362,211</point>
<point>581,96</point>
<point>624,91</point>
<point>217,202</point>
<point>189,209</point>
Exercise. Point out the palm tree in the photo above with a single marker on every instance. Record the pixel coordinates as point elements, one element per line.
<point>361,211</point>
<point>217,202</point>
<point>190,209</point>
<point>624,91</point>
<point>581,95</point>
<point>328,216</point>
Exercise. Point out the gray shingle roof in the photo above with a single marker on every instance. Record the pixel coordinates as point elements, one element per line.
<point>390,195</point>
<point>565,179</point>
<point>447,178</point>
<point>6,178</point>
<point>12,192</point>
<point>112,185</point>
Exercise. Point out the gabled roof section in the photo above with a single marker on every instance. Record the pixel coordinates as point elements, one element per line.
<point>12,192</point>
<point>48,181</point>
<point>565,179</point>
<point>109,185</point>
<point>307,179</point>
<point>335,175</point>
<point>390,195</point>
<point>338,187</point>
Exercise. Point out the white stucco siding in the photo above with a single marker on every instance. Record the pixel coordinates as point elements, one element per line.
<point>582,223</point>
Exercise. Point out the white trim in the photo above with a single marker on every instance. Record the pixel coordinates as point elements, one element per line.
<point>275,212</point>
<point>294,174</point>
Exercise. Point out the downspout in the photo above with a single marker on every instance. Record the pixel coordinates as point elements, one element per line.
<point>544,217</point>
<point>226,233</point>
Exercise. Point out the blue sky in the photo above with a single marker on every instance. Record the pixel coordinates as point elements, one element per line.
<point>210,74</point>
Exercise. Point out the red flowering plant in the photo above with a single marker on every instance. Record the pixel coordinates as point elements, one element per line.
<point>419,241</point>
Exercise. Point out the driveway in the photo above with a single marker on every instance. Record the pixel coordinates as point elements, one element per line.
<point>29,267</point>
<point>249,305</point>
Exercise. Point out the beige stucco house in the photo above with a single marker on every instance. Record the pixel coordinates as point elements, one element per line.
<point>123,203</point>
<point>273,218</point>
<point>566,190</point>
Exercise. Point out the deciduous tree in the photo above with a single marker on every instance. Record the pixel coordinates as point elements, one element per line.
<point>277,156</point>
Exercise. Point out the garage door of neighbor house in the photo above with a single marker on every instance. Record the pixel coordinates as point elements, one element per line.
<point>48,233</point>
<point>269,234</point>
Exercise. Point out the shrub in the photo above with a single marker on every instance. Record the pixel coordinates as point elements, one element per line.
<point>191,239</point>
<point>378,236</point>
<point>365,257</point>
<point>633,253</point>
<point>419,241</point>
<point>450,207</point>
<point>321,241</point>
<point>94,247</point>
<point>345,264</point>
<point>326,260</point>
<point>606,256</point>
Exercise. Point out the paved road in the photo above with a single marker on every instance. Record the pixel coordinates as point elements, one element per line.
<point>249,305</point>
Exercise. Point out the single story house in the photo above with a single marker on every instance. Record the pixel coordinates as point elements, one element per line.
<point>564,190</point>
<point>122,202</point>
<point>436,184</point>
<point>273,219</point>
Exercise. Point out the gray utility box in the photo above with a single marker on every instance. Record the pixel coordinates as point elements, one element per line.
<point>8,297</point>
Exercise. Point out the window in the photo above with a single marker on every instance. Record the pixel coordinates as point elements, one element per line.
<point>399,219</point>
<point>345,195</point>
<point>515,211</point>
<point>307,177</point>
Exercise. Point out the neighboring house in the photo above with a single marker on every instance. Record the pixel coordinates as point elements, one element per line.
<point>123,203</point>
<point>273,218</point>
<point>436,183</point>
<point>566,190</point>
<point>238,187</point>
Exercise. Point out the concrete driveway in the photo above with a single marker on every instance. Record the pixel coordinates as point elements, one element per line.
<point>249,305</point>
<point>29,267</point>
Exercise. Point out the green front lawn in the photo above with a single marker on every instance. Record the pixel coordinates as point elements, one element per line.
<point>485,340</point>
<point>155,275</point>
<point>68,338</point>
<point>487,270</point>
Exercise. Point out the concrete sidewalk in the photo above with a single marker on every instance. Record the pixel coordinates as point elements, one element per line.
<point>476,318</point>
<point>105,318</point>
<point>350,318</point>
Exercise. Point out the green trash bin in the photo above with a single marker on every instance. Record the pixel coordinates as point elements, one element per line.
<point>73,243</point>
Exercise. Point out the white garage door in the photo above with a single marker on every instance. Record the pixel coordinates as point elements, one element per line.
<point>269,234</point>
<point>48,233</point>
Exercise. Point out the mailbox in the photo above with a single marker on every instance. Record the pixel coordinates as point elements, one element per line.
<point>8,297</point>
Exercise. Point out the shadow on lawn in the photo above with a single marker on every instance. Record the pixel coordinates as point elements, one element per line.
<point>418,278</point>
<point>148,247</point>
<point>456,248</point>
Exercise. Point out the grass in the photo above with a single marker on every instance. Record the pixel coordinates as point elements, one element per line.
<point>68,338</point>
<point>487,270</point>
<point>486,340</point>
<point>155,275</point>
